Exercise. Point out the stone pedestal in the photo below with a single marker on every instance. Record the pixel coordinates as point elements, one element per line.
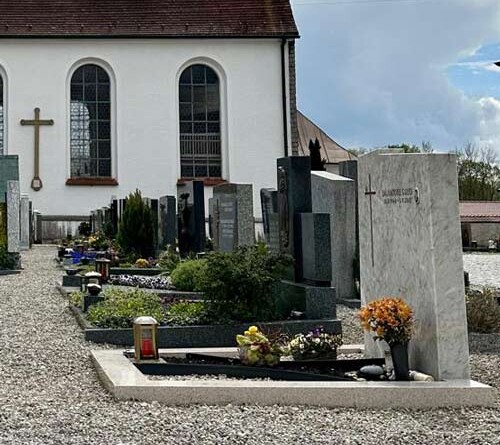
<point>410,247</point>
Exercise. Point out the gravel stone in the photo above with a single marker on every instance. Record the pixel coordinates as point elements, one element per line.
<point>50,393</point>
<point>483,268</point>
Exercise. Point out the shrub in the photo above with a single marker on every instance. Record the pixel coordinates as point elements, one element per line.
<point>169,259</point>
<point>7,261</point>
<point>76,298</point>
<point>186,314</point>
<point>188,275</point>
<point>135,233</point>
<point>483,311</point>
<point>84,229</point>
<point>120,308</point>
<point>238,285</point>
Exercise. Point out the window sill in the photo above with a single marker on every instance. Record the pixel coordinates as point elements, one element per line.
<point>92,181</point>
<point>208,182</point>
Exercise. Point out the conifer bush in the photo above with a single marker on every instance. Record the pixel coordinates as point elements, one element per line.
<point>136,233</point>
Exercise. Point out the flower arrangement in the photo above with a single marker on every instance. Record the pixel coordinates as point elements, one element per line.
<point>141,263</point>
<point>316,344</point>
<point>390,318</point>
<point>256,349</point>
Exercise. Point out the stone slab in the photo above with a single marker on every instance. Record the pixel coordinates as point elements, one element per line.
<point>410,247</point>
<point>336,196</point>
<point>24,211</point>
<point>72,281</point>
<point>316,257</point>
<point>125,382</point>
<point>9,171</point>
<point>13,197</point>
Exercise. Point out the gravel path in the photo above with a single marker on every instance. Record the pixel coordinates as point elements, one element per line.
<point>483,268</point>
<point>49,392</point>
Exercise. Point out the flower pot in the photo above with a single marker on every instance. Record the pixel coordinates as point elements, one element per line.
<point>399,353</point>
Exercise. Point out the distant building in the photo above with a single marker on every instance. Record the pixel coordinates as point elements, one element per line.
<point>331,151</point>
<point>480,222</point>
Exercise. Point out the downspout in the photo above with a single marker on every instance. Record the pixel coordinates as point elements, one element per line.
<point>284,95</point>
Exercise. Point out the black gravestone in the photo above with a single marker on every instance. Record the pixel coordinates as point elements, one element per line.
<point>168,216</point>
<point>192,218</point>
<point>294,197</point>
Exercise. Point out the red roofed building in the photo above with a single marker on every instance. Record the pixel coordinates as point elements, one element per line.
<point>145,94</point>
<point>480,222</point>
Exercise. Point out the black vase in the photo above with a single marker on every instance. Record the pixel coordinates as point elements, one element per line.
<point>399,352</point>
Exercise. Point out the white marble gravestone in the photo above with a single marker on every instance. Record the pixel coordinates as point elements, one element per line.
<point>410,247</point>
<point>336,195</point>
<point>25,221</point>
<point>13,196</point>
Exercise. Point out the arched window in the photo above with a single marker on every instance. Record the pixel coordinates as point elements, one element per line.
<point>90,127</point>
<point>2,117</point>
<point>199,113</point>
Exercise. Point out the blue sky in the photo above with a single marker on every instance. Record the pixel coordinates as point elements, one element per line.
<point>376,72</point>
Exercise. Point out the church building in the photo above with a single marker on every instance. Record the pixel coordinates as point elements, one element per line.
<point>100,97</point>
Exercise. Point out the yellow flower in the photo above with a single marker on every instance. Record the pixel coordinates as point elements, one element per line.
<point>253,329</point>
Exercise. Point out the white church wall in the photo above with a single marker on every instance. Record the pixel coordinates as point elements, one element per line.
<point>145,74</point>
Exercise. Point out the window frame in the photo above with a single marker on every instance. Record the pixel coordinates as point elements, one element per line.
<point>94,180</point>
<point>3,77</point>
<point>222,83</point>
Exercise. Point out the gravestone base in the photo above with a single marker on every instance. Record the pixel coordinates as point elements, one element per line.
<point>90,300</point>
<point>316,302</point>
<point>17,260</point>
<point>72,281</point>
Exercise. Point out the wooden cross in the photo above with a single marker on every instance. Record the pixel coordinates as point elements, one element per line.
<point>369,192</point>
<point>36,183</point>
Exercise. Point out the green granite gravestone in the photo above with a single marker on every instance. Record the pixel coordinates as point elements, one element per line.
<point>9,171</point>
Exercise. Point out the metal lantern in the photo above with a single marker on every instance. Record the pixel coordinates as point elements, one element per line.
<point>146,338</point>
<point>90,278</point>
<point>102,265</point>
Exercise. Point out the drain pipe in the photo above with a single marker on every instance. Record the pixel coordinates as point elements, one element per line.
<point>283,91</point>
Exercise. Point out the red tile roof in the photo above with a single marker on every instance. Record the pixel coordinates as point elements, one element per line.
<point>480,211</point>
<point>147,18</point>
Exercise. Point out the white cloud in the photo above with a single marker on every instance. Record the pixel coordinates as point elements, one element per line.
<point>376,74</point>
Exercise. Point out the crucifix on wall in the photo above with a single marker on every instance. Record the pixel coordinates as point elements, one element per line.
<point>36,183</point>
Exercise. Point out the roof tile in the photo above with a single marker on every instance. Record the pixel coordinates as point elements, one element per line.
<point>147,18</point>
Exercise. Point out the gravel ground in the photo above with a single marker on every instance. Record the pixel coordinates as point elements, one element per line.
<point>50,394</point>
<point>483,268</point>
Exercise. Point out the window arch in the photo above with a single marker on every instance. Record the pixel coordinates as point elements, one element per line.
<point>2,115</point>
<point>200,122</point>
<point>90,122</point>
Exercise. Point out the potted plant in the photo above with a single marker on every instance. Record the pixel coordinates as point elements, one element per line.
<point>391,319</point>
<point>255,349</point>
<point>315,345</point>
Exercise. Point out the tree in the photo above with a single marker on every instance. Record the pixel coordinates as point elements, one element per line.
<point>317,164</point>
<point>478,173</point>
<point>135,233</point>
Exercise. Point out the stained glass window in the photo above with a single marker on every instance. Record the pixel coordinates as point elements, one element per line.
<point>90,126</point>
<point>199,112</point>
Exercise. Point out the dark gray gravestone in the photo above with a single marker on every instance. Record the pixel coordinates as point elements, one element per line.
<point>114,216</point>
<point>9,171</point>
<point>294,197</point>
<point>269,205</point>
<point>240,212</point>
<point>316,254</point>
<point>168,220</point>
<point>228,225</point>
<point>155,208</point>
